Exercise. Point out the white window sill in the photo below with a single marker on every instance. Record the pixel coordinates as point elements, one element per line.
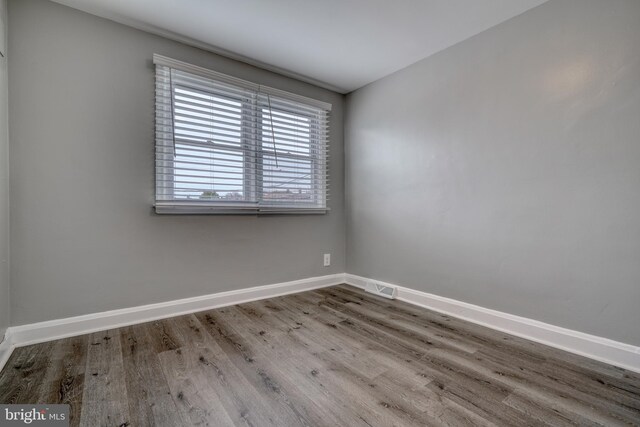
<point>205,209</point>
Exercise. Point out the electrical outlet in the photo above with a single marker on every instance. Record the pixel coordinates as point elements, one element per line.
<point>327,260</point>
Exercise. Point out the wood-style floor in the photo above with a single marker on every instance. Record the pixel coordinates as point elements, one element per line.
<point>331,357</point>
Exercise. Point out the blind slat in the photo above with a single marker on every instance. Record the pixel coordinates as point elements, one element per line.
<point>286,159</point>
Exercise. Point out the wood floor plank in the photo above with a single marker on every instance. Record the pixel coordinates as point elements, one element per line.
<point>21,378</point>
<point>298,375</point>
<point>601,387</point>
<point>563,381</point>
<point>333,356</point>
<point>104,401</point>
<point>351,393</point>
<point>415,354</point>
<point>197,397</point>
<point>218,379</point>
<point>149,399</point>
<point>469,383</point>
<point>317,333</point>
<point>473,334</point>
<point>616,406</point>
<point>359,354</point>
<point>255,368</point>
<point>305,372</point>
<point>492,339</point>
<point>64,379</point>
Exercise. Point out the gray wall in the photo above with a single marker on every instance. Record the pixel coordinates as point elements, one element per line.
<point>505,170</point>
<point>4,176</point>
<point>84,237</point>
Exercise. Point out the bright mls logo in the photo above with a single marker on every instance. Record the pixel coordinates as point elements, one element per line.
<point>34,415</point>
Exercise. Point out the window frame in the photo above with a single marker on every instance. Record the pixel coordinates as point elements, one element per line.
<point>252,136</point>
<point>314,163</point>
<point>247,186</point>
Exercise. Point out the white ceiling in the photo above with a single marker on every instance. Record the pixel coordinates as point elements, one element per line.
<point>339,44</point>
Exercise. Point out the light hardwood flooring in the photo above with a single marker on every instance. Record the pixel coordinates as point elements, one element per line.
<point>331,357</point>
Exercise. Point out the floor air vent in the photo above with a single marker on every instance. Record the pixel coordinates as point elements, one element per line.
<point>381,290</point>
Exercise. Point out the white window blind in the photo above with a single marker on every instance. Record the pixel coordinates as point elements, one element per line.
<point>225,145</point>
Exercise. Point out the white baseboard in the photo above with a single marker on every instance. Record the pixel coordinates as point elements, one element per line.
<point>602,349</point>
<point>19,336</point>
<point>605,350</point>
<point>6,348</point>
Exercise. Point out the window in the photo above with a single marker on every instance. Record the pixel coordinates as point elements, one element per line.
<point>224,145</point>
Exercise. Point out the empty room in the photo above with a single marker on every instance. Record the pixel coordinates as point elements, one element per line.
<point>319,213</point>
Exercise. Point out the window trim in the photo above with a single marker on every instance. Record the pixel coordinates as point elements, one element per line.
<point>251,177</point>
